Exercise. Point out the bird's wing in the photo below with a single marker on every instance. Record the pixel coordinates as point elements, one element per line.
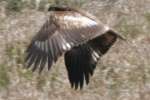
<point>81,61</point>
<point>60,33</point>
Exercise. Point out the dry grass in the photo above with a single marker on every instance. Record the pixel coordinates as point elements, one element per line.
<point>122,74</point>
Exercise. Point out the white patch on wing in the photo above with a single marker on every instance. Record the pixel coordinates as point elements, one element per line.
<point>95,56</point>
<point>64,47</point>
<point>68,45</point>
<point>95,59</point>
<point>65,44</point>
<point>81,20</point>
<point>106,28</point>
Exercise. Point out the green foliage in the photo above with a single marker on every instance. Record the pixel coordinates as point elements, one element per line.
<point>14,5</point>
<point>4,78</point>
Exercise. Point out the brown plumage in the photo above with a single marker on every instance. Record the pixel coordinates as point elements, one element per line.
<point>77,34</point>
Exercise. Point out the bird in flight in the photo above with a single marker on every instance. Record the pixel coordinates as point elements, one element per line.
<point>80,36</point>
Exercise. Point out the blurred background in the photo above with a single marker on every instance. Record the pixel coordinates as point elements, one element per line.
<point>122,74</point>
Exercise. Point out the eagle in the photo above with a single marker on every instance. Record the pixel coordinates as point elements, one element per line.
<point>76,34</point>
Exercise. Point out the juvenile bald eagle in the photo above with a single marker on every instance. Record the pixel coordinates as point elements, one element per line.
<point>81,37</point>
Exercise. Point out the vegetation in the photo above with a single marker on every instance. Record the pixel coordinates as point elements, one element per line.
<point>4,78</point>
<point>123,73</point>
<point>129,29</point>
<point>14,5</point>
<point>19,5</point>
<point>147,16</point>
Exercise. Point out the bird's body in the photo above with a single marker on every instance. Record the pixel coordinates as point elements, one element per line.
<point>77,34</point>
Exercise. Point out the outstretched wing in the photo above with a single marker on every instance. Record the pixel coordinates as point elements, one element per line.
<point>63,30</point>
<point>81,61</point>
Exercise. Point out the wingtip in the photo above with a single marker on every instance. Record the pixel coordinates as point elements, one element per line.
<point>118,34</point>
